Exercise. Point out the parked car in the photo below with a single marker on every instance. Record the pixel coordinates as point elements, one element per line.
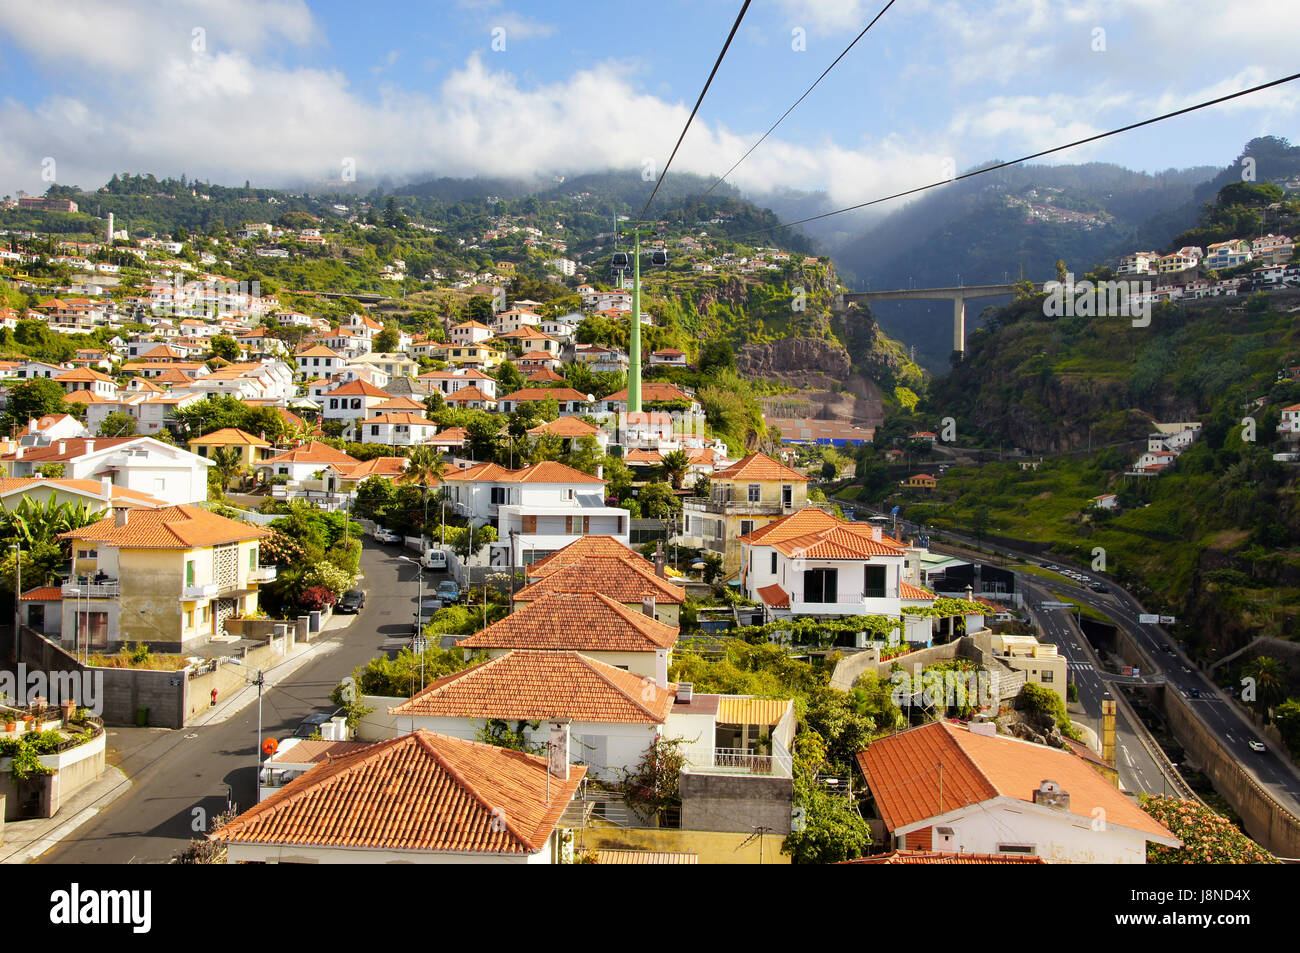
<point>435,559</point>
<point>448,591</point>
<point>354,600</point>
<point>1258,747</point>
<point>311,724</point>
<point>387,536</point>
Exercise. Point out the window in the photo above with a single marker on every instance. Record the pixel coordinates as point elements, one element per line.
<point>755,492</point>
<point>1047,675</point>
<point>774,562</point>
<point>821,585</point>
<point>189,572</point>
<point>356,403</point>
<point>334,403</point>
<point>189,618</point>
<point>1028,849</point>
<point>787,494</point>
<point>873,582</point>
<point>252,558</point>
<point>498,496</point>
<point>374,430</point>
<point>746,527</point>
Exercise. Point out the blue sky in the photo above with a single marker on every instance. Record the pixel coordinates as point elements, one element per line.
<point>281,91</point>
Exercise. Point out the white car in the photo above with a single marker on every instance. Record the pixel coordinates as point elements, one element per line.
<point>387,536</point>
<point>1258,747</point>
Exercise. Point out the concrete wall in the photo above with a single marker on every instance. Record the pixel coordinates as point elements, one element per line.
<point>1272,825</point>
<point>227,679</point>
<point>740,803</point>
<point>713,847</point>
<point>73,770</point>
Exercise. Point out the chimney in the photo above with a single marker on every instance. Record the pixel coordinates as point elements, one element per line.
<point>648,606</point>
<point>63,447</point>
<point>1050,793</point>
<point>557,752</point>
<point>875,533</point>
<point>106,488</point>
<point>661,561</point>
<point>121,515</point>
<point>970,593</point>
<point>661,668</point>
<point>90,446</point>
<point>685,692</point>
<point>31,425</point>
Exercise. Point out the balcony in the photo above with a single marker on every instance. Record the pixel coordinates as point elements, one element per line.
<point>738,507</point>
<point>743,761</point>
<point>205,591</point>
<point>262,574</point>
<point>89,587</point>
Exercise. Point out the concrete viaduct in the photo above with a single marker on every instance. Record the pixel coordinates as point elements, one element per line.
<point>957,295</point>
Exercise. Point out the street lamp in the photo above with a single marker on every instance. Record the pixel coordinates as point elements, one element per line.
<point>418,632</point>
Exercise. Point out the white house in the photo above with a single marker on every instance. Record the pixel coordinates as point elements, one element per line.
<point>398,429</point>
<point>536,510</point>
<point>810,563</point>
<point>133,463</point>
<point>1002,796</point>
<point>350,402</point>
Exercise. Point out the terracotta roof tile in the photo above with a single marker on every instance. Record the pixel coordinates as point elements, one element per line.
<point>977,768</point>
<point>584,548</point>
<point>566,427</point>
<point>774,596</point>
<point>759,466</point>
<point>171,527</point>
<point>418,792</point>
<point>229,436</point>
<point>621,579</point>
<point>578,621</point>
<point>313,452</point>
<point>532,685</point>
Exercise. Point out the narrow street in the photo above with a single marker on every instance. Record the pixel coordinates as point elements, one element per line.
<point>174,772</point>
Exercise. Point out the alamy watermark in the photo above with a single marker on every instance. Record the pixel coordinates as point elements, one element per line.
<point>1102,299</point>
<point>24,687</point>
<point>942,689</point>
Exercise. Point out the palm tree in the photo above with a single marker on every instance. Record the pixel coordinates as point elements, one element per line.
<point>227,461</point>
<point>675,466</point>
<point>1270,682</point>
<point>425,465</point>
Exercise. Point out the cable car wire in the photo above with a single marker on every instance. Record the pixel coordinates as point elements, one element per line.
<point>1035,155</point>
<point>734,27</point>
<point>724,175</point>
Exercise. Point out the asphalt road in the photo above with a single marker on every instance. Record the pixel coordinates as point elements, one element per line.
<point>1224,720</point>
<point>1138,770</point>
<point>174,772</point>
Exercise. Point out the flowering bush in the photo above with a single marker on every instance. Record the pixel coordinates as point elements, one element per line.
<point>316,598</point>
<point>1208,838</point>
<point>328,576</point>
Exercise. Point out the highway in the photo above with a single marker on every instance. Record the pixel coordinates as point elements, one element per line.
<point>1271,768</point>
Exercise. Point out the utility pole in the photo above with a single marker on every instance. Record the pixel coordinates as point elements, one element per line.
<point>18,588</point>
<point>634,339</point>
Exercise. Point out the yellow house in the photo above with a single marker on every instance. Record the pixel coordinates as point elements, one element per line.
<point>748,494</point>
<point>252,450</point>
<point>1040,661</point>
<point>921,481</point>
<point>169,577</point>
<point>477,355</point>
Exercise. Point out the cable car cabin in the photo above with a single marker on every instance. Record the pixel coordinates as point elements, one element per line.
<point>618,261</point>
<point>659,257</point>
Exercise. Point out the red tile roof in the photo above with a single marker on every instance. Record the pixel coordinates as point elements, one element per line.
<point>760,467</point>
<point>900,770</point>
<point>313,452</point>
<point>774,596</point>
<point>230,436</point>
<point>418,792</point>
<point>621,579</point>
<point>584,548</point>
<point>566,427</point>
<point>42,594</point>
<point>531,685</point>
<point>562,394</point>
<point>170,527</point>
<point>358,388</point>
<point>578,621</point>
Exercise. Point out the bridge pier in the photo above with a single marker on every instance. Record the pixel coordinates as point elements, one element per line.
<point>959,325</point>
